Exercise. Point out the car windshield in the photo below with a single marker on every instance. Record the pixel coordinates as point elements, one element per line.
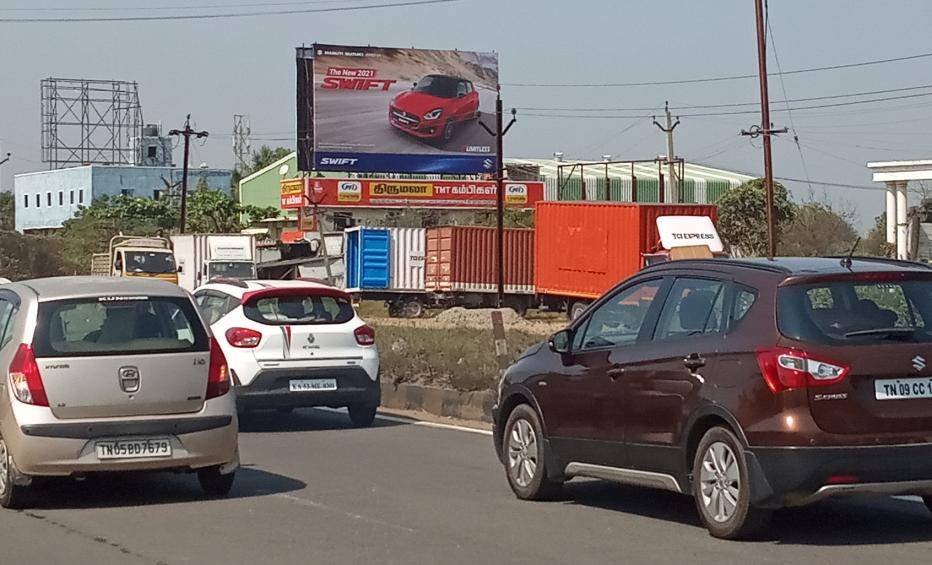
<point>857,311</point>
<point>296,310</point>
<point>101,326</point>
<point>437,85</point>
<point>154,262</point>
<point>232,270</point>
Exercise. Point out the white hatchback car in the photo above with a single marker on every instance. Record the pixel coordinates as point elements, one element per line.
<point>294,344</point>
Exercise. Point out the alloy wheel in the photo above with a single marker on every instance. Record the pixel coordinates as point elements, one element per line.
<point>4,468</point>
<point>720,484</point>
<point>522,453</point>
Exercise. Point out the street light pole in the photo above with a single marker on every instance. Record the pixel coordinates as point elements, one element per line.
<point>499,134</point>
<point>187,132</point>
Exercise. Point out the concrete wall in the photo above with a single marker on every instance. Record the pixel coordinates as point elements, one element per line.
<point>79,186</point>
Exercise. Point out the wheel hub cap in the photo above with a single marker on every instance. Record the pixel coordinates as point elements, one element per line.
<point>719,482</point>
<point>522,453</point>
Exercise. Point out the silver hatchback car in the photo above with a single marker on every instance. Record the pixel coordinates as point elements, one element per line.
<point>110,375</point>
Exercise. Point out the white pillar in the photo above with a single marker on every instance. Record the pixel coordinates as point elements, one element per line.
<point>891,212</point>
<point>901,249</point>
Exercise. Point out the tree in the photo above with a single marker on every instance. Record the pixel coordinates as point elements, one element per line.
<point>261,159</point>
<point>742,216</point>
<point>818,230</point>
<point>7,211</point>
<point>876,241</point>
<point>213,211</point>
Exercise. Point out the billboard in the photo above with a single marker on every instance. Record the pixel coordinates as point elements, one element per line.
<point>376,109</point>
<point>390,193</point>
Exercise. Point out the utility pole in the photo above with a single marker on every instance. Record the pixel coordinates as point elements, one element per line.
<point>4,160</point>
<point>499,134</point>
<point>187,132</point>
<point>671,166</point>
<point>765,129</point>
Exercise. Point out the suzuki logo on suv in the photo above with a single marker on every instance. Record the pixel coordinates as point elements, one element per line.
<point>129,379</point>
<point>919,362</point>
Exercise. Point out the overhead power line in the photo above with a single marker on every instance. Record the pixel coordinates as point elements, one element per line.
<point>176,6</point>
<point>226,15</point>
<point>719,78</point>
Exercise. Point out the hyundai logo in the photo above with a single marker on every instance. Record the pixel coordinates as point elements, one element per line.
<point>919,362</point>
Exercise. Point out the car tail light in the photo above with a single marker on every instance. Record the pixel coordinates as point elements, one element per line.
<point>243,337</point>
<point>218,379</point>
<point>365,335</point>
<point>25,378</point>
<point>785,369</point>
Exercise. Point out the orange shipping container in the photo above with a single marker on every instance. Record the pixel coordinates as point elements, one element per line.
<point>582,249</point>
<point>462,259</point>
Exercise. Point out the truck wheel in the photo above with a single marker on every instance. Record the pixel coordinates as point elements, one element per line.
<point>395,309</point>
<point>413,309</point>
<point>576,309</point>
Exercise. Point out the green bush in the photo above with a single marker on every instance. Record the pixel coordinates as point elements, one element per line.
<point>30,256</point>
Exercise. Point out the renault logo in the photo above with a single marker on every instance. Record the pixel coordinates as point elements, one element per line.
<point>129,379</point>
<point>919,362</point>
<point>310,339</point>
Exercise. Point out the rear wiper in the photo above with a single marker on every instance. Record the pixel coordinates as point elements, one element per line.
<point>884,331</point>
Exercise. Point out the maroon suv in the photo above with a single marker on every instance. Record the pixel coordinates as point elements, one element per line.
<point>750,384</point>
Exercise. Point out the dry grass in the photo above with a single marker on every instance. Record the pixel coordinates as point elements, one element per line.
<point>461,359</point>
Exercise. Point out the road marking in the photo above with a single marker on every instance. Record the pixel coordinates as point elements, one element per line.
<point>413,422</point>
<point>320,506</point>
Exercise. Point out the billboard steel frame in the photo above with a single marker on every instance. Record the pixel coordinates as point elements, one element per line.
<point>88,121</point>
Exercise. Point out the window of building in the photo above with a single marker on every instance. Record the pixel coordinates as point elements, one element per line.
<point>72,197</point>
<point>48,198</point>
<point>25,201</point>
<point>81,196</point>
<point>61,197</point>
<point>156,194</point>
<point>126,191</point>
<point>38,200</point>
<point>151,151</point>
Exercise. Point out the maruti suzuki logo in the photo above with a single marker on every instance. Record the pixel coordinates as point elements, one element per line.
<point>487,163</point>
<point>919,362</point>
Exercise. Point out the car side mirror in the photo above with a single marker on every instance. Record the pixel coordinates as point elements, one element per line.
<point>560,341</point>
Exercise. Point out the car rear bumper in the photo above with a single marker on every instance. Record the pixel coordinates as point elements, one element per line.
<point>70,448</point>
<point>270,389</point>
<point>793,476</point>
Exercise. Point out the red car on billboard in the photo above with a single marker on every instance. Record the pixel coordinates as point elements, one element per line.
<point>434,106</point>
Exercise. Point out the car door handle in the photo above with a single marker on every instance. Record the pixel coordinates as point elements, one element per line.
<point>615,373</point>
<point>693,361</point>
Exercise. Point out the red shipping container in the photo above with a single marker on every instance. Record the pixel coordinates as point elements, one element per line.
<point>462,259</point>
<point>582,249</point>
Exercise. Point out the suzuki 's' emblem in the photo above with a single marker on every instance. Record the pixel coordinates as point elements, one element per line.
<point>919,362</point>
<point>129,379</point>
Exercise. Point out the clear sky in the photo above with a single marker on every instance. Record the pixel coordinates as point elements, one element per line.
<point>215,68</point>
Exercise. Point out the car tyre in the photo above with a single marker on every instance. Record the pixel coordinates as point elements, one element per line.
<point>214,483</point>
<point>11,495</point>
<point>362,416</point>
<point>525,456</point>
<point>576,310</point>
<point>721,487</point>
<point>449,130</point>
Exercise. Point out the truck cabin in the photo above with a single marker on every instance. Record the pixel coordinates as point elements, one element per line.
<point>138,262</point>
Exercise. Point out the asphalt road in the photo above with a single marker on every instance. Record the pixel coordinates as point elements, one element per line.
<point>349,120</point>
<point>313,491</point>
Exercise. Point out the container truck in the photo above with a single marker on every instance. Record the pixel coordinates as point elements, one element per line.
<point>202,257</point>
<point>582,249</point>
<point>136,256</point>
<point>387,264</point>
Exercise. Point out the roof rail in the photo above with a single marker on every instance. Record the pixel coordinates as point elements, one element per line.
<point>713,263</point>
<point>233,282</point>
<point>885,261</point>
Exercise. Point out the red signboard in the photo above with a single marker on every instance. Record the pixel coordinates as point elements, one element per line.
<point>389,193</point>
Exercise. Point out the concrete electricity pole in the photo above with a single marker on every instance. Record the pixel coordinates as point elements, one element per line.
<point>187,132</point>
<point>671,166</point>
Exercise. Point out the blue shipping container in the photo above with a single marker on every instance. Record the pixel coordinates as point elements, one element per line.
<point>368,253</point>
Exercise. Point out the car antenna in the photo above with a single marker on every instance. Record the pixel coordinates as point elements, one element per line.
<point>846,261</point>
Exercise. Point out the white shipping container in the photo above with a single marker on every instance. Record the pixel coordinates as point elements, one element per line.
<point>408,249</point>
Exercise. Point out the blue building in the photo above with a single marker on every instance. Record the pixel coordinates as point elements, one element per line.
<point>46,199</point>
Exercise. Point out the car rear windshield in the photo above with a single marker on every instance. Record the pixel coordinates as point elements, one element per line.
<point>852,312</point>
<point>298,310</point>
<point>118,326</point>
